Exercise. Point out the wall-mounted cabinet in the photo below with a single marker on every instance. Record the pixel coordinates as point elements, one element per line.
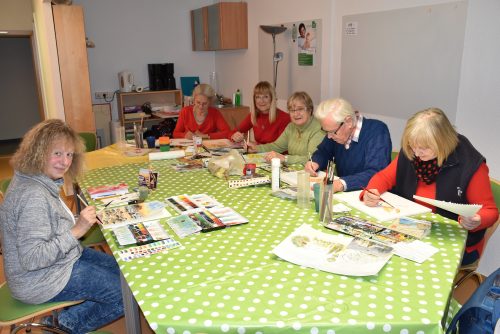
<point>222,26</point>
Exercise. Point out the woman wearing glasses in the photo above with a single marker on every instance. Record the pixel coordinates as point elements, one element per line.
<point>301,136</point>
<point>359,146</point>
<point>267,121</point>
<point>201,119</point>
<point>436,162</point>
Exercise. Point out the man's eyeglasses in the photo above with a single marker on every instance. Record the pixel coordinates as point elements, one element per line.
<point>301,109</point>
<point>334,132</point>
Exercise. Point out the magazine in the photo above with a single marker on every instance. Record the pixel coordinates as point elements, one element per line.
<point>333,253</point>
<point>140,233</point>
<point>130,214</point>
<point>182,203</point>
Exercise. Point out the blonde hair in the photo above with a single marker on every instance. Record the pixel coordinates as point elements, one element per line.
<point>338,109</point>
<point>264,87</point>
<point>205,90</point>
<point>34,150</point>
<point>430,128</point>
<point>304,98</point>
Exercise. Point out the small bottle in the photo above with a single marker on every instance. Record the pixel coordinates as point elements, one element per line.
<point>275,174</point>
<point>237,98</point>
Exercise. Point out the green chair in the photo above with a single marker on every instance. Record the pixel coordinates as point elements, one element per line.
<point>4,184</point>
<point>19,315</point>
<point>90,140</point>
<point>94,239</point>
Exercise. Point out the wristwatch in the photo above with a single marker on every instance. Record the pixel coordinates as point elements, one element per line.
<point>286,159</point>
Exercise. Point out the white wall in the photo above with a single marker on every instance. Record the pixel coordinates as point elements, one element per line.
<point>240,68</point>
<point>478,115</point>
<point>129,34</point>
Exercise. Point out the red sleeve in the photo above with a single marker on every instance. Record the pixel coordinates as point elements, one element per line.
<point>385,179</point>
<point>180,128</point>
<point>221,129</point>
<point>245,125</point>
<point>479,192</point>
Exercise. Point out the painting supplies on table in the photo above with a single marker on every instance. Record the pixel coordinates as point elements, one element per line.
<point>107,190</point>
<point>404,245</point>
<point>135,252</point>
<point>135,213</point>
<point>326,200</point>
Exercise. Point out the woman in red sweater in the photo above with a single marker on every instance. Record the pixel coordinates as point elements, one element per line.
<point>201,119</point>
<point>436,162</point>
<point>267,121</point>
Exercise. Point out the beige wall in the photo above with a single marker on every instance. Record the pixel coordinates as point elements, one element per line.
<point>15,15</point>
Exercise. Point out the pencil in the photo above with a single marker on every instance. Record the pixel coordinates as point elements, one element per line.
<point>381,199</point>
<point>248,139</point>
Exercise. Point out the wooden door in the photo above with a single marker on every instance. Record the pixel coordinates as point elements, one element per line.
<point>73,66</point>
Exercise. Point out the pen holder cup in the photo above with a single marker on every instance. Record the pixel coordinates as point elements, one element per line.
<point>303,189</point>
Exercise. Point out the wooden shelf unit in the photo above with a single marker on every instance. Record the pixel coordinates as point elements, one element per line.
<point>153,96</point>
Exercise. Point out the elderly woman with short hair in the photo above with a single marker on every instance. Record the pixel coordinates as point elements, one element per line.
<point>201,119</point>
<point>301,136</point>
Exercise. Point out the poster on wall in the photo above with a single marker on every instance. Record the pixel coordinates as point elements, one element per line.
<point>306,43</point>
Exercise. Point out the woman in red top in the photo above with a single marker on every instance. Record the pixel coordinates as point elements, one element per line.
<point>201,119</point>
<point>436,162</point>
<point>267,121</point>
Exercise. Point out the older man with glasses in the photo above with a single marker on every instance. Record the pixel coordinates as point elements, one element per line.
<point>359,146</point>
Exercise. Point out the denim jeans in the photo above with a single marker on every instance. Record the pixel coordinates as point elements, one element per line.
<point>95,278</point>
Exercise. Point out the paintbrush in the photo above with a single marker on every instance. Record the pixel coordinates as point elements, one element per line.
<point>84,202</point>
<point>381,199</point>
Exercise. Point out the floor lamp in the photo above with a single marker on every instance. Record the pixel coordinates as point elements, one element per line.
<point>277,56</point>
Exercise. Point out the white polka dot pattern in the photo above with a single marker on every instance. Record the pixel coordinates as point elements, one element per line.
<point>229,281</point>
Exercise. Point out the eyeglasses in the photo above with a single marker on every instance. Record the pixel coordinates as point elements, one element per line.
<point>334,132</point>
<point>300,109</point>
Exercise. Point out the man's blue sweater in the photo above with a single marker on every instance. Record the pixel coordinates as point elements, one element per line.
<point>364,158</point>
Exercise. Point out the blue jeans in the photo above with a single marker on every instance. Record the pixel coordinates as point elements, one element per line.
<point>95,278</point>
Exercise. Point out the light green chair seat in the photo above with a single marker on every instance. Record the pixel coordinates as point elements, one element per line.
<point>12,311</point>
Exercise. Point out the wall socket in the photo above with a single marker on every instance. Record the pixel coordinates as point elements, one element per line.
<point>103,95</point>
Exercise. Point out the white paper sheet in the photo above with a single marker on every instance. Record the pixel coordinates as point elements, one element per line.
<point>333,253</point>
<point>466,210</point>
<point>383,213</point>
<point>166,155</point>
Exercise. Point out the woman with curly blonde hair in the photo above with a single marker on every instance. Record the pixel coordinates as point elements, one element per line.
<point>43,259</point>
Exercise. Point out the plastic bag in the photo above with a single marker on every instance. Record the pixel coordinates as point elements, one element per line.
<point>231,163</point>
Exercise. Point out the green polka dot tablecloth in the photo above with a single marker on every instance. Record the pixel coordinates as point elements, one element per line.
<point>229,281</point>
